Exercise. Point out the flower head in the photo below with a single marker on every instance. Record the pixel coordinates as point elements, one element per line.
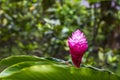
<point>78,45</point>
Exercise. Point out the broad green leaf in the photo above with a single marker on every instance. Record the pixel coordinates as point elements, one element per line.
<point>19,66</point>
<point>44,69</point>
<point>58,72</point>
<point>23,58</point>
<point>16,59</point>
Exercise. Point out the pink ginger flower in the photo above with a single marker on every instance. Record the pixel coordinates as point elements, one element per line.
<point>78,45</point>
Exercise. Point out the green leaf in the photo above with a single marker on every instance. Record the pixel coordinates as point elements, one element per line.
<point>17,67</point>
<point>57,72</point>
<point>44,69</point>
<point>16,59</point>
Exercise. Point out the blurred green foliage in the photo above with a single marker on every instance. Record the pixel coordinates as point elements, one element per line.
<point>42,27</point>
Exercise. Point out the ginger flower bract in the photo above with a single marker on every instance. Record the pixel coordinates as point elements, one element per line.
<point>78,45</point>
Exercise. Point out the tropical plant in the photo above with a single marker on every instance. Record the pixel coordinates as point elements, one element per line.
<point>41,68</point>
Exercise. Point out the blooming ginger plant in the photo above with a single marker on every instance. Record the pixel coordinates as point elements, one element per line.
<point>78,45</point>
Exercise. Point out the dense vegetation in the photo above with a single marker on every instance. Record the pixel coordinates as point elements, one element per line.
<point>42,27</point>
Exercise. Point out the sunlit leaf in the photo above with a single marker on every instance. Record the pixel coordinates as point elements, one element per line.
<point>48,70</point>
<point>17,59</point>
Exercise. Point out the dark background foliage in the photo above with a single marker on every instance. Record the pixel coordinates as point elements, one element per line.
<point>42,27</point>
